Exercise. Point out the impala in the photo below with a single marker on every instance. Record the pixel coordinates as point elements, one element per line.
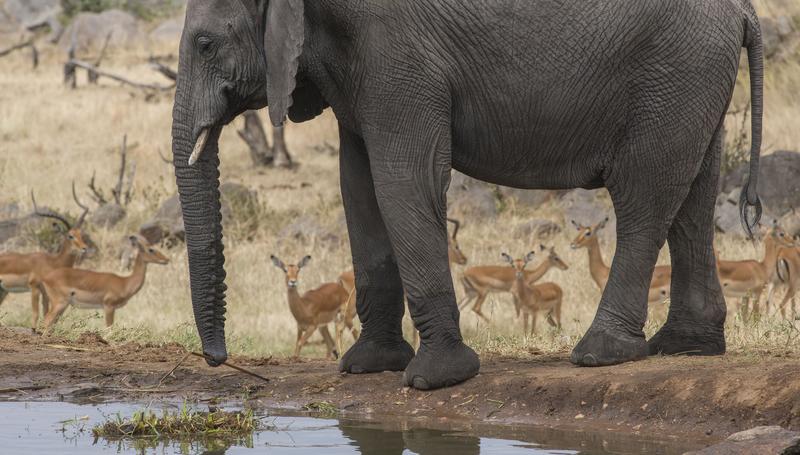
<point>788,272</point>
<point>533,299</point>
<point>313,310</point>
<point>87,289</point>
<point>480,281</point>
<point>743,279</point>
<point>24,272</point>
<point>587,238</point>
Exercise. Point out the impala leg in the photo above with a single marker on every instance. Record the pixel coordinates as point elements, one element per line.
<point>57,309</point>
<point>35,297</point>
<point>3,294</point>
<point>524,323</point>
<point>534,317</point>
<point>332,353</point>
<point>478,303</point>
<point>304,339</point>
<point>109,312</point>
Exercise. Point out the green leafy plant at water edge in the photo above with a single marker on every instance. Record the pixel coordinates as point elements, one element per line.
<point>323,408</point>
<point>179,425</point>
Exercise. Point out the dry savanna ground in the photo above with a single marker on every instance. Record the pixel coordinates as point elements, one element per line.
<point>50,136</point>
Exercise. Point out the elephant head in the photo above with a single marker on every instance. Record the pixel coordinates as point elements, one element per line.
<point>235,55</point>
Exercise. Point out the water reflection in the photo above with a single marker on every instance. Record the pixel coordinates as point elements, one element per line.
<point>66,429</point>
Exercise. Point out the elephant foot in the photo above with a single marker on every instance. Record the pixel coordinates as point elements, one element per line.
<point>367,356</point>
<point>435,366</point>
<point>602,346</point>
<point>687,339</point>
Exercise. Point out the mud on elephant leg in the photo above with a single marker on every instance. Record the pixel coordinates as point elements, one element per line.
<point>379,291</point>
<point>645,206</point>
<point>697,310</point>
<point>411,194</point>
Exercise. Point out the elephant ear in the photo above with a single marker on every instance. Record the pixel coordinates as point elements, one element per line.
<point>283,44</point>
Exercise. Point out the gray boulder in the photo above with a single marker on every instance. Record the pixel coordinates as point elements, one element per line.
<point>32,14</point>
<point>240,209</point>
<point>468,197</point>
<point>10,210</point>
<point>772,440</point>
<point>168,32</point>
<point>779,36</point>
<point>107,215</point>
<point>538,229</point>
<point>779,174</point>
<point>89,31</point>
<point>306,230</point>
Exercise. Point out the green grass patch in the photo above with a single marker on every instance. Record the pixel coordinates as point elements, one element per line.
<point>323,408</point>
<point>185,424</point>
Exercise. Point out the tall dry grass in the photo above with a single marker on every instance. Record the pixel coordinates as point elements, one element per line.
<point>51,136</point>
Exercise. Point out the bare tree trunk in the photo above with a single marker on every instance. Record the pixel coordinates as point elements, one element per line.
<point>279,150</point>
<point>255,137</point>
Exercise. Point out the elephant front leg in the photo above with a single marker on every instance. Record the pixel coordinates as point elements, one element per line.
<point>379,290</point>
<point>411,173</point>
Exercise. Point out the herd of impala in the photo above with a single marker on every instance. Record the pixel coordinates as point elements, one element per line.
<point>56,284</point>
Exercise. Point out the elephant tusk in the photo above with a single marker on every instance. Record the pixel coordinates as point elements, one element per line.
<point>199,146</point>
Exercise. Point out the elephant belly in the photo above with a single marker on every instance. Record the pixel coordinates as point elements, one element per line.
<point>14,283</point>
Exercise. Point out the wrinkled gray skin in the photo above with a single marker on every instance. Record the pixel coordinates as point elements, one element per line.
<point>626,94</point>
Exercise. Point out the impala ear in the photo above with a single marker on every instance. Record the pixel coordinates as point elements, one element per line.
<point>507,258</point>
<point>283,44</point>
<point>277,262</point>
<point>303,262</point>
<point>529,257</point>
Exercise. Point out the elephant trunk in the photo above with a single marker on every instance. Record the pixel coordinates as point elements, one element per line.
<point>198,187</point>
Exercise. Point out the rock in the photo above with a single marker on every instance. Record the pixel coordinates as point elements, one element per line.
<point>306,229</point>
<point>168,32</point>
<point>779,37</point>
<point>779,173</point>
<point>10,210</point>
<point>468,197</point>
<point>240,209</point>
<point>107,215</point>
<point>726,214</point>
<point>770,440</point>
<point>89,31</point>
<point>528,198</point>
<point>540,229</point>
<point>32,14</point>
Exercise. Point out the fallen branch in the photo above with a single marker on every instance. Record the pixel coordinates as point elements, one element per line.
<point>166,71</point>
<point>75,63</point>
<point>255,375</point>
<point>23,45</point>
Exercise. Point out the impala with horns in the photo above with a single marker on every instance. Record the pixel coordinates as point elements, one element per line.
<point>748,278</point>
<point>86,289</point>
<point>24,272</point>
<point>533,299</point>
<point>313,310</point>
<point>587,238</point>
<point>480,281</point>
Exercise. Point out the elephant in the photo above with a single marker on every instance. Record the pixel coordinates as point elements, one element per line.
<point>629,95</point>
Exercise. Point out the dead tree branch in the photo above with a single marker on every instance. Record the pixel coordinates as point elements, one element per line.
<point>166,71</point>
<point>97,195</point>
<point>164,158</point>
<point>75,63</point>
<point>92,74</point>
<point>26,44</point>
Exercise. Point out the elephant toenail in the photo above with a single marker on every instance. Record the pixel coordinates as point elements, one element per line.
<point>420,383</point>
<point>589,360</point>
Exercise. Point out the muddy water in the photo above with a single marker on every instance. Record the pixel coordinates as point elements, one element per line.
<point>65,428</point>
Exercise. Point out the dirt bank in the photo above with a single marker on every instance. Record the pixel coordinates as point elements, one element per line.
<point>702,399</point>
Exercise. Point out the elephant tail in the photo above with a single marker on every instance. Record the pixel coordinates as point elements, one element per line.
<point>750,208</point>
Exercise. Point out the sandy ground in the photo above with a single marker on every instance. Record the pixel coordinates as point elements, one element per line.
<point>681,398</point>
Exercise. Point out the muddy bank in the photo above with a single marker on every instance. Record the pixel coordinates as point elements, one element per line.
<point>698,399</point>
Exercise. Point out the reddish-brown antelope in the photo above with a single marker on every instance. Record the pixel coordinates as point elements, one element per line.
<point>313,310</point>
<point>747,279</point>
<point>24,272</point>
<point>87,289</point>
<point>788,272</point>
<point>587,238</point>
<point>480,281</point>
<point>534,299</point>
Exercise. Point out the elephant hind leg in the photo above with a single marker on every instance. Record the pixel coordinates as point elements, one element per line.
<point>648,180</point>
<point>697,308</point>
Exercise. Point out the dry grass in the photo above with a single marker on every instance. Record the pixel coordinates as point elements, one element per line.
<point>50,136</point>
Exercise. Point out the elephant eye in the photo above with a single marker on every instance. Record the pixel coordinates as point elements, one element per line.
<point>205,46</point>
